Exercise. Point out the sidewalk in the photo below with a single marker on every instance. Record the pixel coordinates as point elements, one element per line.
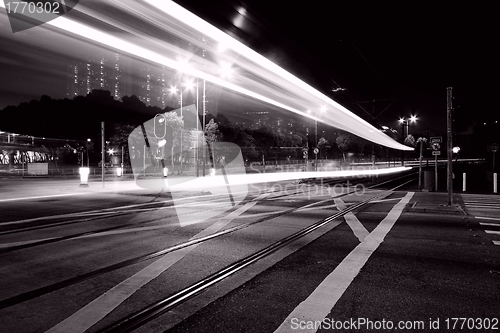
<point>435,203</point>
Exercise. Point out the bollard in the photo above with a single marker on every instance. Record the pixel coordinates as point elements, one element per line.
<point>495,182</point>
<point>463,183</point>
<point>84,177</point>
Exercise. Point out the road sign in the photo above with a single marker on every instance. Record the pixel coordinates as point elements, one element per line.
<point>316,151</point>
<point>305,150</point>
<point>436,152</point>
<point>493,147</point>
<point>436,146</point>
<point>304,154</point>
<point>436,139</point>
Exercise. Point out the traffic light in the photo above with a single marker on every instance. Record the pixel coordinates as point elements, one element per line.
<point>160,126</point>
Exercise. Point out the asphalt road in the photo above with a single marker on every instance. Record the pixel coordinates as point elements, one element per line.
<point>78,262</point>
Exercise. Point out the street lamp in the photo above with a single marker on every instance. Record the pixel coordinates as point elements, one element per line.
<point>455,151</point>
<point>405,122</point>
<point>88,141</point>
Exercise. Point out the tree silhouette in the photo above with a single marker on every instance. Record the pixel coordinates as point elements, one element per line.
<point>343,141</point>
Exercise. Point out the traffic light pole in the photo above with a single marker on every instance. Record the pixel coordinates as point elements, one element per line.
<point>449,144</point>
<point>103,153</point>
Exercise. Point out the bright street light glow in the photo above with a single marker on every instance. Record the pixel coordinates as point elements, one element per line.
<point>413,119</point>
<point>323,108</point>
<point>189,84</point>
<point>173,90</point>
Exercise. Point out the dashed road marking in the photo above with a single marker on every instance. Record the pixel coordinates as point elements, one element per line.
<point>490,224</point>
<point>487,218</point>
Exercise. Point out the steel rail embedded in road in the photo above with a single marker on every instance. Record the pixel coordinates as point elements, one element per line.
<point>158,308</point>
<point>109,213</point>
<point>80,278</point>
<point>128,262</point>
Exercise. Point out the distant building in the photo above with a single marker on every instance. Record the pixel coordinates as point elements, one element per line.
<point>104,73</point>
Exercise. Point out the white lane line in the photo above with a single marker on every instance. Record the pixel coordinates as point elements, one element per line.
<point>353,222</point>
<point>492,224</point>
<point>487,218</point>
<point>482,203</point>
<point>319,304</point>
<point>496,242</point>
<point>493,232</point>
<point>483,206</point>
<point>93,312</point>
<point>479,196</point>
<point>44,196</point>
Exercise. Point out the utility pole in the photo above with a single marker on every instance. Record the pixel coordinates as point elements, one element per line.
<point>197,150</point>
<point>203,126</point>
<point>123,164</point>
<point>103,153</point>
<point>449,144</point>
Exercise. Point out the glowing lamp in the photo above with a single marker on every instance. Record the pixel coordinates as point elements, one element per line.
<point>119,172</point>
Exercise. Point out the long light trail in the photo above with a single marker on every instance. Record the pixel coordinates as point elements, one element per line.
<point>248,179</point>
<point>267,81</point>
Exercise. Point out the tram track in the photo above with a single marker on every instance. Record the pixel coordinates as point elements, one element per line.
<point>86,276</point>
<point>20,298</point>
<point>110,213</point>
<point>160,307</point>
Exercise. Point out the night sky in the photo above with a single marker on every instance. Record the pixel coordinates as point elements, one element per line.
<point>403,57</point>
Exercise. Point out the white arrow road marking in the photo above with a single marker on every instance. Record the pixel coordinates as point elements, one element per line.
<point>93,312</point>
<point>320,303</point>
<point>353,222</point>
